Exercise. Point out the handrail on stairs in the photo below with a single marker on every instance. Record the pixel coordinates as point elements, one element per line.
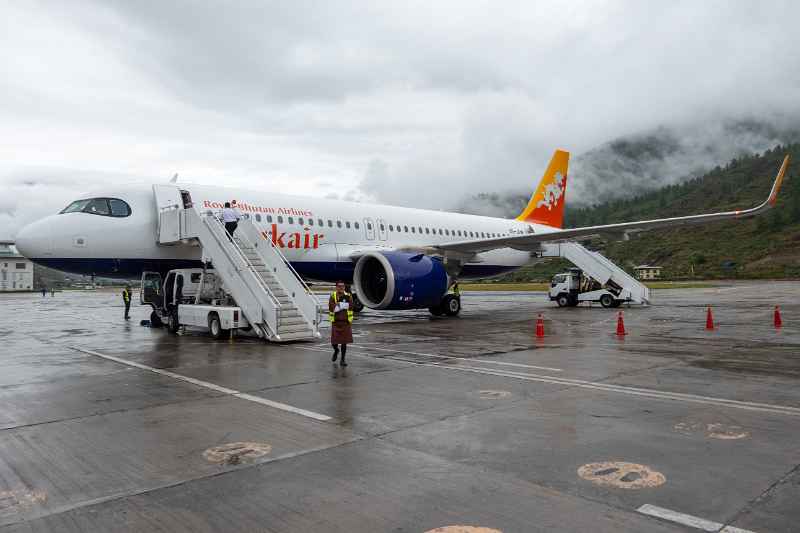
<point>219,233</point>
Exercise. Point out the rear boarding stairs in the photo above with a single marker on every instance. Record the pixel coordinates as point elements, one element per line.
<point>275,300</point>
<point>600,268</point>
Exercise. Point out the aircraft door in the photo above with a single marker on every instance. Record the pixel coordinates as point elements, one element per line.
<point>169,204</point>
<point>150,292</point>
<point>369,229</point>
<point>383,234</point>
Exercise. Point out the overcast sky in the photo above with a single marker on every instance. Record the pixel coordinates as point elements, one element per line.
<point>413,103</point>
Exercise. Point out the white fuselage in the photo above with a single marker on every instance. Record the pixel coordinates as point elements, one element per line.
<point>318,236</point>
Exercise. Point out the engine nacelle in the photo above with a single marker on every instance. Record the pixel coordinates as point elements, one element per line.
<point>399,280</point>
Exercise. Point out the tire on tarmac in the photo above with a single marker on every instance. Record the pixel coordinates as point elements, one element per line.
<point>563,300</point>
<point>607,301</point>
<point>215,327</point>
<point>173,325</point>
<point>451,305</point>
<point>155,320</point>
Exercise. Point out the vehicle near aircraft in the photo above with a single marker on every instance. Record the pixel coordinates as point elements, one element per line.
<point>572,287</point>
<point>394,257</point>
<point>194,297</point>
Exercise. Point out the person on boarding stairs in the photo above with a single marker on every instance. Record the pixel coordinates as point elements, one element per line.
<point>231,219</point>
<point>340,313</point>
<point>126,299</point>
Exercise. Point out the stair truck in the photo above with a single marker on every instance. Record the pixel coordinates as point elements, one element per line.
<point>192,297</point>
<point>572,287</point>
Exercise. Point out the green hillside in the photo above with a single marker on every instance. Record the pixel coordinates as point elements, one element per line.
<point>764,247</point>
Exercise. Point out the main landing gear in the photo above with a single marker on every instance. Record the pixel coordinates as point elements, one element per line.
<point>450,306</point>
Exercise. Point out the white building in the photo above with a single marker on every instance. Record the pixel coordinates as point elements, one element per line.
<point>647,272</point>
<point>16,272</point>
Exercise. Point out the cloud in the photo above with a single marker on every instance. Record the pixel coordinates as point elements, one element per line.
<point>414,103</point>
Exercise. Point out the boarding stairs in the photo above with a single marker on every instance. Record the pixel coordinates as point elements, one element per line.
<point>272,296</point>
<point>600,268</point>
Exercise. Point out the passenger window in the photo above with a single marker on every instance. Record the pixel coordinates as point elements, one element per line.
<point>269,218</point>
<point>330,223</point>
<point>98,206</point>
<point>119,208</point>
<point>427,231</point>
<point>355,224</point>
<point>369,225</point>
<point>383,228</point>
<point>347,225</point>
<point>405,228</point>
<point>391,228</point>
<point>338,223</point>
<point>258,217</point>
<point>290,220</point>
<point>420,231</point>
<point>412,229</point>
<point>440,231</point>
<point>280,219</point>
<point>300,221</point>
<point>310,221</point>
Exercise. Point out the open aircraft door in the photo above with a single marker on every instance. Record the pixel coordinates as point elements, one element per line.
<point>168,206</point>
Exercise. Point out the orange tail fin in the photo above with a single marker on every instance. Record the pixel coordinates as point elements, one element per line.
<point>547,203</point>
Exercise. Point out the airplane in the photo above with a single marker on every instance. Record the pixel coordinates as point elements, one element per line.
<point>379,249</point>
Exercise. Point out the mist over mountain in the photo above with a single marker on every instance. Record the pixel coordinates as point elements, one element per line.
<point>629,166</point>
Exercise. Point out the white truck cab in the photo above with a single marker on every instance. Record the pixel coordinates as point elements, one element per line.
<point>191,297</point>
<point>572,287</point>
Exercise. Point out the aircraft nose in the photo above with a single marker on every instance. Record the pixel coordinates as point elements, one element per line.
<point>36,240</point>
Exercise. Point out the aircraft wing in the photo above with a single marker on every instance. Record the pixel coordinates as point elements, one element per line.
<point>532,240</point>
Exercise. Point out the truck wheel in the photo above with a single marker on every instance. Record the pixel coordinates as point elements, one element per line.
<point>607,301</point>
<point>451,305</point>
<point>173,325</point>
<point>155,320</point>
<point>215,327</point>
<point>562,300</point>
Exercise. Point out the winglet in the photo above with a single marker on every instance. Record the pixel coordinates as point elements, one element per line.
<point>546,206</point>
<point>773,195</point>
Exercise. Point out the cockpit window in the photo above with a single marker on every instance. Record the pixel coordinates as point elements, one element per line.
<point>113,207</point>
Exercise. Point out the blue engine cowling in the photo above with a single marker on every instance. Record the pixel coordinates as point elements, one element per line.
<point>399,280</point>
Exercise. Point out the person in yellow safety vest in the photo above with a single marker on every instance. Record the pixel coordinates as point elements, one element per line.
<point>456,290</point>
<point>126,299</point>
<point>340,313</point>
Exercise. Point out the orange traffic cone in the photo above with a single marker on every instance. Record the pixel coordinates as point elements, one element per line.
<point>539,326</point>
<point>709,319</point>
<point>777,320</point>
<point>621,325</point>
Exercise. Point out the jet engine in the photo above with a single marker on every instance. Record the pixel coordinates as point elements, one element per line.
<point>399,280</point>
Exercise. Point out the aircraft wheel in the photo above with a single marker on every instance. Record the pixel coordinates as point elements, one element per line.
<point>451,305</point>
<point>436,310</point>
<point>358,305</point>
<point>607,301</point>
<point>562,300</point>
<point>155,320</point>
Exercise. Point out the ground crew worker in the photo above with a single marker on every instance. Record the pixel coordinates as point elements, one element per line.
<point>231,219</point>
<point>44,291</point>
<point>456,290</point>
<point>126,299</point>
<point>340,313</point>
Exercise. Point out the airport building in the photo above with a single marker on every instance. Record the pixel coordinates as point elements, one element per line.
<point>648,272</point>
<point>16,272</point>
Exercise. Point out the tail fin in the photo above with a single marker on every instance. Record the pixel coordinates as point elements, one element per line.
<point>546,206</point>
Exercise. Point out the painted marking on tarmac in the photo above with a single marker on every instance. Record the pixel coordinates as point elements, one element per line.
<point>207,385</point>
<point>463,529</point>
<point>235,453</point>
<point>715,430</point>
<point>621,475</point>
<point>593,385</point>
<point>493,394</point>
<point>689,520</point>
<point>483,361</point>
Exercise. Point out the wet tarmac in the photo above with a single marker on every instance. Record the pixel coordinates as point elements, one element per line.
<point>109,426</point>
